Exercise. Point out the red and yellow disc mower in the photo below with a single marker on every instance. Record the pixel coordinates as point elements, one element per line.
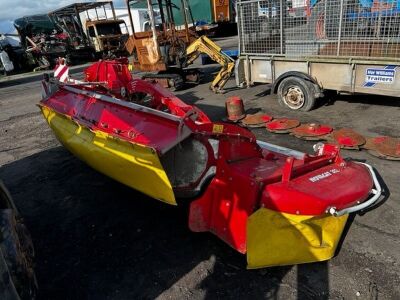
<point>278,206</point>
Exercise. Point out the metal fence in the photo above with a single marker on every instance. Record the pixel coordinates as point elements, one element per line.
<point>334,28</point>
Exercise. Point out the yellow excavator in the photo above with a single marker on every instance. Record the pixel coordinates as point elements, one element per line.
<point>204,45</point>
<point>166,51</point>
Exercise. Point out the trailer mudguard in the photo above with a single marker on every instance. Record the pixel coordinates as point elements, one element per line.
<point>318,89</point>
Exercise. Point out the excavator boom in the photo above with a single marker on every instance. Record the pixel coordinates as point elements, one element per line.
<point>204,45</point>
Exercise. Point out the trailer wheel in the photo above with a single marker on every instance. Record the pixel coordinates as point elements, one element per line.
<point>296,94</point>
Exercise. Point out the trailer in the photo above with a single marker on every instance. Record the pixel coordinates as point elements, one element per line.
<point>348,46</point>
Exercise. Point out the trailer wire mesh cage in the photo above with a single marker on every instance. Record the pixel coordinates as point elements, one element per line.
<point>366,29</point>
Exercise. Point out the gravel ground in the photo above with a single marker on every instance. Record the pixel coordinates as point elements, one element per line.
<point>97,239</point>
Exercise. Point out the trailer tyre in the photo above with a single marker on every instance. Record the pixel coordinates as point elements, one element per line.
<point>296,93</point>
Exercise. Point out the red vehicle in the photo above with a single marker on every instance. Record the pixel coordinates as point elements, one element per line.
<point>277,205</point>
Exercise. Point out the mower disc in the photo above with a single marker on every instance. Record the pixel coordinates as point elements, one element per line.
<point>256,120</point>
<point>347,138</point>
<point>283,125</point>
<point>384,147</point>
<point>312,131</point>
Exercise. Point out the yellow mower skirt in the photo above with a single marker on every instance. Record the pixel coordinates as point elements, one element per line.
<point>134,165</point>
<point>277,239</point>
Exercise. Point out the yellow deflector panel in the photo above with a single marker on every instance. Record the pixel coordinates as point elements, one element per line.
<point>276,239</point>
<point>134,165</point>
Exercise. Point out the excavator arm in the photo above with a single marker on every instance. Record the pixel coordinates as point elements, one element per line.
<point>205,45</point>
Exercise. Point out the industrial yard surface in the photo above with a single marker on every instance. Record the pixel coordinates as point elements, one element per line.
<point>97,239</point>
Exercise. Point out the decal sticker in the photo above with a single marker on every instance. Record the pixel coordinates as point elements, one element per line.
<point>218,128</point>
<point>323,175</point>
<point>384,75</point>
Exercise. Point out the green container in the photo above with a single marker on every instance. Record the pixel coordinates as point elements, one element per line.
<point>201,10</point>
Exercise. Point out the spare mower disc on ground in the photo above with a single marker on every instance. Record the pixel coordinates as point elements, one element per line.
<point>256,120</point>
<point>347,138</point>
<point>282,125</point>
<point>384,147</point>
<point>312,132</point>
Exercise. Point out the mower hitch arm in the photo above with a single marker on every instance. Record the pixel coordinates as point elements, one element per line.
<point>376,191</point>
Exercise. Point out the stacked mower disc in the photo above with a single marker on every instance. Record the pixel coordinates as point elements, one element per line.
<point>384,147</point>
<point>312,132</point>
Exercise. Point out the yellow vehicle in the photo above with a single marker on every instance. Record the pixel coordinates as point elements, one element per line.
<point>168,50</point>
<point>205,45</point>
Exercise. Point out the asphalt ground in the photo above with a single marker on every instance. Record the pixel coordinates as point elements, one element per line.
<point>97,239</point>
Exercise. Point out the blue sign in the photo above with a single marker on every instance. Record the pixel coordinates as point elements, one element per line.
<point>375,75</point>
